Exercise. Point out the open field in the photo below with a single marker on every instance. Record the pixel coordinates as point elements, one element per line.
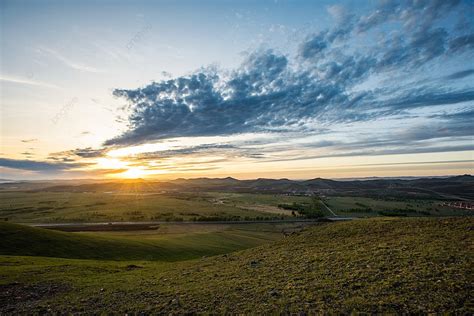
<point>52,207</point>
<point>61,207</point>
<point>368,265</point>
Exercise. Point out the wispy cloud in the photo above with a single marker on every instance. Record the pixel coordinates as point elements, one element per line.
<point>30,140</point>
<point>78,152</point>
<point>26,81</point>
<point>70,63</point>
<point>460,74</point>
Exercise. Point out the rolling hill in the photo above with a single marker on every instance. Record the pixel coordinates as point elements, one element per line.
<point>20,240</point>
<point>415,265</point>
<point>456,187</point>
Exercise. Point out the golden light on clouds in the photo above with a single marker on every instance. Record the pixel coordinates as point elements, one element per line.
<point>123,169</point>
<point>135,150</point>
<point>110,163</point>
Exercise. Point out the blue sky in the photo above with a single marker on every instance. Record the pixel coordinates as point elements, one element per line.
<point>293,89</point>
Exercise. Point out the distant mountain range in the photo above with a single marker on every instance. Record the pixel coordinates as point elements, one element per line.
<point>456,187</point>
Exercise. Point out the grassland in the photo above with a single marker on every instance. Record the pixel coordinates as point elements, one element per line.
<point>57,207</point>
<point>50,207</point>
<point>407,265</point>
<point>362,206</point>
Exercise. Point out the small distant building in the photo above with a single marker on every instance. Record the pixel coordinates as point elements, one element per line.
<point>465,205</point>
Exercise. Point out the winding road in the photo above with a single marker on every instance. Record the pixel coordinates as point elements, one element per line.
<point>330,211</point>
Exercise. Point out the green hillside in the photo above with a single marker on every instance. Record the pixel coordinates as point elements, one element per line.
<point>20,240</point>
<point>408,265</point>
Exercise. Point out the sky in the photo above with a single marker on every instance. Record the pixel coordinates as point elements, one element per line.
<point>248,89</point>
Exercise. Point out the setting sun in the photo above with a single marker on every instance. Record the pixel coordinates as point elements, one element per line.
<point>133,173</point>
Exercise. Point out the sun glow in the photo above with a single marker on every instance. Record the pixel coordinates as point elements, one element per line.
<point>123,170</point>
<point>133,173</point>
<point>111,163</point>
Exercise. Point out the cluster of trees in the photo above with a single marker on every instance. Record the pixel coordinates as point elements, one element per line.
<point>214,218</point>
<point>234,218</point>
<point>314,209</point>
<point>402,212</point>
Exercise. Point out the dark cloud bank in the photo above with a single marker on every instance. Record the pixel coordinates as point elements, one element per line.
<point>271,92</point>
<point>38,165</point>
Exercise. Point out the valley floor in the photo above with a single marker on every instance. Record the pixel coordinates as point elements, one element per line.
<point>407,265</point>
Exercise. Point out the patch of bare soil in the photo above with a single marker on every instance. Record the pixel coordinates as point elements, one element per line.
<point>267,209</point>
<point>16,297</point>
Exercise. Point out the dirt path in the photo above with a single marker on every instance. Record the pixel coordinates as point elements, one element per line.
<point>266,209</point>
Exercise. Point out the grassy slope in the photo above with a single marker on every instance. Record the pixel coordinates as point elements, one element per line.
<point>28,241</point>
<point>396,265</point>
